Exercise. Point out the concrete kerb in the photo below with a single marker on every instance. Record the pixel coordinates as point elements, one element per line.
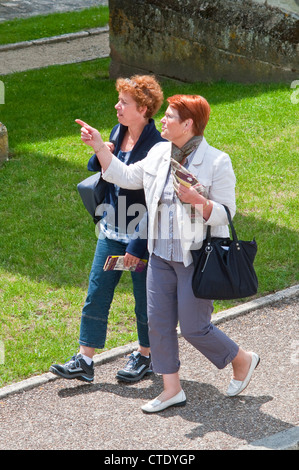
<point>255,304</point>
<point>37,381</point>
<point>54,39</point>
<point>284,440</point>
<point>108,356</point>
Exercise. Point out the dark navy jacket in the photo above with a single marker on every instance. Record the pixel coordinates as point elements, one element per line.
<point>148,138</point>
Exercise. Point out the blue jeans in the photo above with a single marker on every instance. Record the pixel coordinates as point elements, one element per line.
<point>102,284</point>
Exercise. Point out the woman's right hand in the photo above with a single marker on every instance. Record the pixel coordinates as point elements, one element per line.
<point>90,135</point>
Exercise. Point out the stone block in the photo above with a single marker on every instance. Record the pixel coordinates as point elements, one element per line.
<point>204,40</point>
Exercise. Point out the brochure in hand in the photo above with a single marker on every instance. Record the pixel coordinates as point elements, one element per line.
<point>117,263</point>
<point>183,176</point>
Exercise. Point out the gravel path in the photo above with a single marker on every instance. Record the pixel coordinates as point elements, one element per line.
<point>71,48</point>
<point>106,415</point>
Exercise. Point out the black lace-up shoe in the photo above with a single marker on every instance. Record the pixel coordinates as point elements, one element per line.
<point>75,368</point>
<point>136,368</point>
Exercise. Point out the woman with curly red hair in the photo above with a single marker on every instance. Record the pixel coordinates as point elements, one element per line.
<point>139,99</point>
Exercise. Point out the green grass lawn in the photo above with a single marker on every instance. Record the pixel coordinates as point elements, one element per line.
<point>42,26</point>
<point>47,239</point>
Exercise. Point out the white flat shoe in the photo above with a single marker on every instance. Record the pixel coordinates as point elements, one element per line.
<point>157,405</point>
<point>237,386</point>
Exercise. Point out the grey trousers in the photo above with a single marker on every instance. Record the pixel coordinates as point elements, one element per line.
<point>171,300</point>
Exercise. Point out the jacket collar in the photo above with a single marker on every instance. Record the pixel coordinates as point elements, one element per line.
<point>198,157</point>
<point>146,133</point>
<point>200,152</point>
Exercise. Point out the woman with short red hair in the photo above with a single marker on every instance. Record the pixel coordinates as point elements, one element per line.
<point>192,106</point>
<point>178,216</point>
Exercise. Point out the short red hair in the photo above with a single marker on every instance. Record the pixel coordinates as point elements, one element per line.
<point>193,107</point>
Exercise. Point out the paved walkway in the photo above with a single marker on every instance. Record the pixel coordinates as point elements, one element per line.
<point>68,49</point>
<point>106,415</point>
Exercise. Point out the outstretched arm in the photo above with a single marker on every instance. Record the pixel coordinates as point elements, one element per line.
<point>113,170</point>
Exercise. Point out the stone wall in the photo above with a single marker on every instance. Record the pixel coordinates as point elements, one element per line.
<point>204,40</point>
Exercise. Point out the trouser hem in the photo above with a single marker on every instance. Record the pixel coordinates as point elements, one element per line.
<point>91,345</point>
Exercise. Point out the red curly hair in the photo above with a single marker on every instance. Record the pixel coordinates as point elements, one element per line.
<point>145,90</point>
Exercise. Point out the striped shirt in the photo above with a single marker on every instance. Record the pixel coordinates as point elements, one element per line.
<point>168,244</point>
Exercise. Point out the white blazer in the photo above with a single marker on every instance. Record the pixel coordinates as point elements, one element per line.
<point>210,166</point>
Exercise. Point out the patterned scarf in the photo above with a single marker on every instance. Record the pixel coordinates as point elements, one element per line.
<point>180,173</point>
<point>179,154</point>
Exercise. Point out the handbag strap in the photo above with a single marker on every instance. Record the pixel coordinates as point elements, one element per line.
<point>234,234</point>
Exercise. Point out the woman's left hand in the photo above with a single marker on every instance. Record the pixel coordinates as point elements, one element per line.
<point>130,260</point>
<point>188,195</point>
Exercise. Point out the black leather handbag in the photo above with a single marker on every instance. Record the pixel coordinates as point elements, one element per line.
<point>223,268</point>
<point>92,191</point>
